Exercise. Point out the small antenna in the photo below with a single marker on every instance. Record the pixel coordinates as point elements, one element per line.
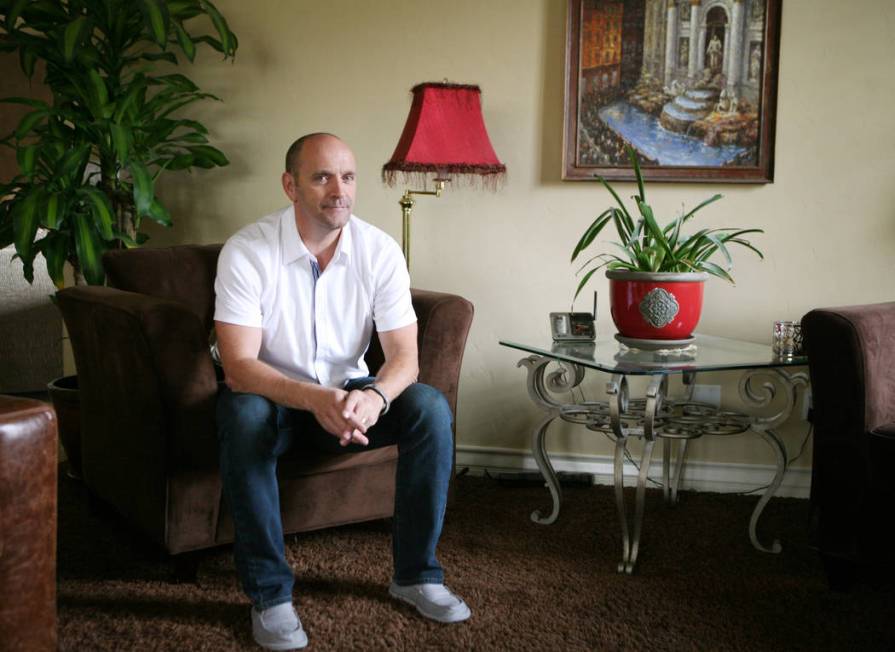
<point>595,305</point>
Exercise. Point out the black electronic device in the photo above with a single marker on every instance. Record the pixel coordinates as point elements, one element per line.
<point>574,326</point>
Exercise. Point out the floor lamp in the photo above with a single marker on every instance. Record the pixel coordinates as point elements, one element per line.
<point>444,136</point>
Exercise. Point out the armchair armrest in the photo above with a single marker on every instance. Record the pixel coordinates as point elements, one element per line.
<point>147,385</point>
<point>851,354</point>
<point>443,326</point>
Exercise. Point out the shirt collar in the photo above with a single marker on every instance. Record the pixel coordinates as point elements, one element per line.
<point>294,247</point>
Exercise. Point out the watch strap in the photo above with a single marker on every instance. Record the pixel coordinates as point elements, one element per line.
<point>386,404</point>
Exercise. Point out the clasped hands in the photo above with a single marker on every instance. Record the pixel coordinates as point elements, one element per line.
<point>348,415</point>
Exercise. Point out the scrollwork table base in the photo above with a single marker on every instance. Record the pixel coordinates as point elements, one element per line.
<point>674,420</point>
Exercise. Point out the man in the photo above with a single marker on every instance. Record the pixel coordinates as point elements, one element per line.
<point>298,295</point>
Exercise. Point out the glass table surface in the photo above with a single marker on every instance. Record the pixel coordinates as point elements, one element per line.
<point>707,353</point>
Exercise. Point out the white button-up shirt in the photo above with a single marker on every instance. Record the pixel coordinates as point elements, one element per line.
<point>315,331</point>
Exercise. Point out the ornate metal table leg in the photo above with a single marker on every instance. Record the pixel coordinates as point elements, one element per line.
<point>618,405</point>
<point>671,481</point>
<point>760,397</point>
<point>775,442</point>
<point>539,386</point>
<point>539,450</point>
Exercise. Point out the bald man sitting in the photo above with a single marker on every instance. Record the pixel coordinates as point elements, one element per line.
<point>289,375</point>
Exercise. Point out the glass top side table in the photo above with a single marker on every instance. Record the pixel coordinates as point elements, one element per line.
<point>676,420</point>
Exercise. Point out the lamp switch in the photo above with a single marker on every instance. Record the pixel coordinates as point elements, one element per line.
<point>708,394</point>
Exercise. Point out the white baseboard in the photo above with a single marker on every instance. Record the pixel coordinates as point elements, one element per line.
<point>697,476</point>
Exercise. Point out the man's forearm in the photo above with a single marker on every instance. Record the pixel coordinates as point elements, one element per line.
<point>256,377</point>
<point>396,375</point>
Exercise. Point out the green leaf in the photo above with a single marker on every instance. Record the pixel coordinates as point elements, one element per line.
<point>714,270</point>
<point>74,34</point>
<point>128,241</point>
<point>12,16</point>
<point>26,157</point>
<point>628,221</point>
<point>159,56</point>
<point>100,92</point>
<point>207,153</point>
<point>228,40</point>
<point>73,162</point>
<point>186,43</point>
<point>144,192</point>
<point>51,212</point>
<point>37,104</point>
<point>155,14</point>
<point>90,250</point>
<point>121,139</point>
<point>637,173</point>
<point>584,282</point>
<point>653,228</point>
<point>30,121</point>
<point>179,82</point>
<point>27,61</point>
<point>160,214</point>
<point>702,205</point>
<point>25,222</point>
<point>591,232</point>
<point>55,249</point>
<point>184,9</point>
<point>101,208</point>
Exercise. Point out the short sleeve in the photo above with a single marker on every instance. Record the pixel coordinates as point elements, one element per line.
<point>238,285</point>
<point>392,307</point>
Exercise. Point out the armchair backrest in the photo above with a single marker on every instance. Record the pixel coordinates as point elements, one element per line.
<point>183,273</point>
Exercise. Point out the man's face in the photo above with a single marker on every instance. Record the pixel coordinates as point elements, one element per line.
<point>323,186</point>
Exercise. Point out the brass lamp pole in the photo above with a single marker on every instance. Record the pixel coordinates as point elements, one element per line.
<point>406,202</point>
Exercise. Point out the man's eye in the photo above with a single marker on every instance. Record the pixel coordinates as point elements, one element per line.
<point>348,177</point>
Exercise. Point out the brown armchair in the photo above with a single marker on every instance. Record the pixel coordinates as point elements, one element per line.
<point>27,525</point>
<point>851,359</point>
<point>148,388</point>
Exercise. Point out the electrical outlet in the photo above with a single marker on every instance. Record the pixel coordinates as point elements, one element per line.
<point>807,404</point>
<point>708,394</point>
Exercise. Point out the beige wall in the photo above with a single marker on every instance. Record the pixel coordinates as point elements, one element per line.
<point>347,66</point>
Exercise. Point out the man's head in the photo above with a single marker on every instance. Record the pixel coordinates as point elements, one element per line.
<point>320,180</point>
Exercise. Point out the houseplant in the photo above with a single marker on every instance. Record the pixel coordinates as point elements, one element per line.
<point>656,277</point>
<point>88,160</point>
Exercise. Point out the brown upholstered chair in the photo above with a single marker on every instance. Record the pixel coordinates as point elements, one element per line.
<point>851,358</point>
<point>28,468</point>
<point>148,388</point>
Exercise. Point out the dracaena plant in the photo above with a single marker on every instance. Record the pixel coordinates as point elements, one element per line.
<point>645,246</point>
<point>88,159</point>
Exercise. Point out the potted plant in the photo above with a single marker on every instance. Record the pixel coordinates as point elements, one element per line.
<point>656,277</point>
<point>88,160</point>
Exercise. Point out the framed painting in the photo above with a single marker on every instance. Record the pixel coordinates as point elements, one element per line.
<point>690,85</point>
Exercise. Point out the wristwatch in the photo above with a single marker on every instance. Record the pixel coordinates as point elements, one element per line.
<point>386,404</point>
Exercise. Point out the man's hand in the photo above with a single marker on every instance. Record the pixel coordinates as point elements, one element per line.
<point>332,411</point>
<point>363,407</point>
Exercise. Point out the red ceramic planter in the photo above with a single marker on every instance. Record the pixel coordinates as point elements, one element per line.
<point>655,305</point>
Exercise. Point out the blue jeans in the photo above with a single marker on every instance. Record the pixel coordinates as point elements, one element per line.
<point>253,432</point>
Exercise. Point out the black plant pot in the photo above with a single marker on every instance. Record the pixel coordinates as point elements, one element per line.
<point>65,397</point>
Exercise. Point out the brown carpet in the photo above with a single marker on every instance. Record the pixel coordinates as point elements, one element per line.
<point>700,585</point>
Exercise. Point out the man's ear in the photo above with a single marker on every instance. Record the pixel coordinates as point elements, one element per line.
<point>289,185</point>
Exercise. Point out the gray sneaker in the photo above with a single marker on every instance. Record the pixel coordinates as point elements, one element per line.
<point>278,628</point>
<point>434,601</point>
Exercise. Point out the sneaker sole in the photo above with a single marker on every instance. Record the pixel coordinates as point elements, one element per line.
<point>281,647</point>
<point>446,621</point>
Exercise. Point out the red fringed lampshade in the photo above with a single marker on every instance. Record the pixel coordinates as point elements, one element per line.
<point>445,134</point>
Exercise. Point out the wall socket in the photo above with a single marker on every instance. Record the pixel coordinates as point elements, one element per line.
<point>708,394</point>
